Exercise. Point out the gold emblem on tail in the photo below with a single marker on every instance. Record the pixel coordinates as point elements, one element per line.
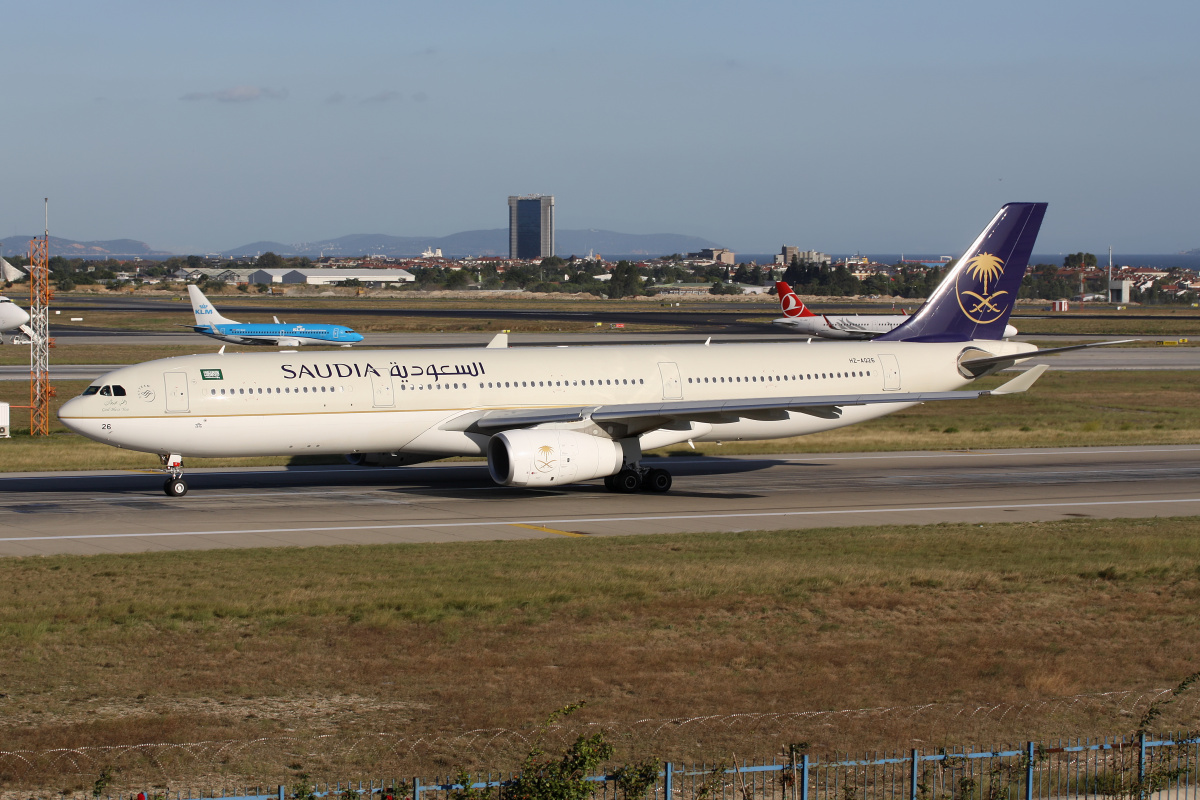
<point>982,306</point>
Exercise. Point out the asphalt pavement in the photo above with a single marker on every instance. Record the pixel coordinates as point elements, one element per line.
<point>126,511</point>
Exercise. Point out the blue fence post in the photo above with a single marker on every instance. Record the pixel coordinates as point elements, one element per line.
<point>804,777</point>
<point>668,781</point>
<point>1029,754</point>
<point>1141,765</point>
<point>282,792</point>
<point>916,769</point>
<point>416,789</point>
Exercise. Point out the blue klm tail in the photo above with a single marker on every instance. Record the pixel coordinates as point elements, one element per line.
<point>976,298</point>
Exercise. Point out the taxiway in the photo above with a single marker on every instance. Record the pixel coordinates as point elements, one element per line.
<point>85,513</point>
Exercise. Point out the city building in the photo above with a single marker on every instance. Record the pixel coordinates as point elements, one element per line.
<point>329,277</point>
<point>787,253</point>
<point>530,227</point>
<point>718,255</point>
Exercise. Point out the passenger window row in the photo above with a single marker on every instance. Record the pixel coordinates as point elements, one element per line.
<point>780,378</point>
<point>284,390</point>
<point>119,391</point>
<point>529,384</point>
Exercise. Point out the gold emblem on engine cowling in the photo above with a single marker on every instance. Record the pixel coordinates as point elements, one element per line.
<point>980,305</point>
<point>545,458</point>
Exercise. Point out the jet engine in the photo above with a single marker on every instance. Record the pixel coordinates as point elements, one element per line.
<point>551,457</point>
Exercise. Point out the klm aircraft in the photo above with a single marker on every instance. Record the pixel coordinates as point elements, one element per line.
<point>276,334</point>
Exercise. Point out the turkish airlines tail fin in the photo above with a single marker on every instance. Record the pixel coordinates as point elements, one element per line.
<point>977,296</point>
<point>204,311</point>
<point>790,302</point>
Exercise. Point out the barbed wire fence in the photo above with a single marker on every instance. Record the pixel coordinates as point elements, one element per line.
<point>340,756</point>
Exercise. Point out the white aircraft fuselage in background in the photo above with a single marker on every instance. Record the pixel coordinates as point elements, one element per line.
<point>12,316</point>
<point>798,318</point>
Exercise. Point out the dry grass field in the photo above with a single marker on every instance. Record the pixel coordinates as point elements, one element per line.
<point>408,641</point>
<point>337,661</point>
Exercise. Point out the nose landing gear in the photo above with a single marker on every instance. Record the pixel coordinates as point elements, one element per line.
<point>175,485</point>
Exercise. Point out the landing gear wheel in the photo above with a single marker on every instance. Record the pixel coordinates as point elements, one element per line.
<point>175,487</point>
<point>610,482</point>
<point>627,481</point>
<point>657,480</point>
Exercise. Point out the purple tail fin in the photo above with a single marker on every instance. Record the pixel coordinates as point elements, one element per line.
<point>976,298</point>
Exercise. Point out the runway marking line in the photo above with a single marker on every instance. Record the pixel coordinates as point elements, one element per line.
<point>547,530</point>
<point>578,520</point>
<point>217,471</point>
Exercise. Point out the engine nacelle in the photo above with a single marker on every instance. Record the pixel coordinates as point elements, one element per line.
<point>551,457</point>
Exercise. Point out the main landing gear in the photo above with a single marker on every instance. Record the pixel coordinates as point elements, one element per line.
<point>639,479</point>
<point>175,485</point>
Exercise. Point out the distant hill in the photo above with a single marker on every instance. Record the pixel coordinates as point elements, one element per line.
<point>68,248</point>
<point>1195,252</point>
<point>465,243</point>
<point>481,243</point>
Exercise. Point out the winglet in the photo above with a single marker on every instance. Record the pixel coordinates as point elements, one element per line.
<point>1022,381</point>
<point>500,340</point>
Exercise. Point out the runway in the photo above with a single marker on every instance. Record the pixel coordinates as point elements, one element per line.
<point>86,513</point>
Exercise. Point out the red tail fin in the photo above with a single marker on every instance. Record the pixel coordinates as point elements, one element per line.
<point>790,302</point>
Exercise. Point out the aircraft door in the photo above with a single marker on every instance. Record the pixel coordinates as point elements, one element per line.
<point>381,389</point>
<point>891,372</point>
<point>176,391</point>
<point>672,386</point>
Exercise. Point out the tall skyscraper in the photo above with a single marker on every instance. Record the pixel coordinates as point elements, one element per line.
<point>530,226</point>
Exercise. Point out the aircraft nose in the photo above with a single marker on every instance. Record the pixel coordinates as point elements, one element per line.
<point>68,411</point>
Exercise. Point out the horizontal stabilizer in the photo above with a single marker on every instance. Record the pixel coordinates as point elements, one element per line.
<point>977,365</point>
<point>500,340</point>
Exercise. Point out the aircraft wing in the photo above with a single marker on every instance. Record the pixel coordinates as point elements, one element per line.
<point>632,419</point>
<point>272,341</point>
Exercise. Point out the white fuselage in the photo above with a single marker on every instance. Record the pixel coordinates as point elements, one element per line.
<point>252,404</point>
<point>843,326</point>
<point>851,326</point>
<point>12,316</point>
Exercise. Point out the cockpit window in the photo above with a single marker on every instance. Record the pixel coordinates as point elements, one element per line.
<point>106,391</point>
<point>118,391</point>
<point>90,390</point>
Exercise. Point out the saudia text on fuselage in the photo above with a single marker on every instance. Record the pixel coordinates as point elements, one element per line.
<point>356,370</point>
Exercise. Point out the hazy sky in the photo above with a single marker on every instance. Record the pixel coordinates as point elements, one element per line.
<point>839,126</point>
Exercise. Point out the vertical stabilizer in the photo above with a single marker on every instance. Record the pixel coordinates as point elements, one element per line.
<point>790,302</point>
<point>204,311</point>
<point>977,296</point>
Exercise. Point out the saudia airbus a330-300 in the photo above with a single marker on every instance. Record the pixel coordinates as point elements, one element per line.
<point>556,416</point>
